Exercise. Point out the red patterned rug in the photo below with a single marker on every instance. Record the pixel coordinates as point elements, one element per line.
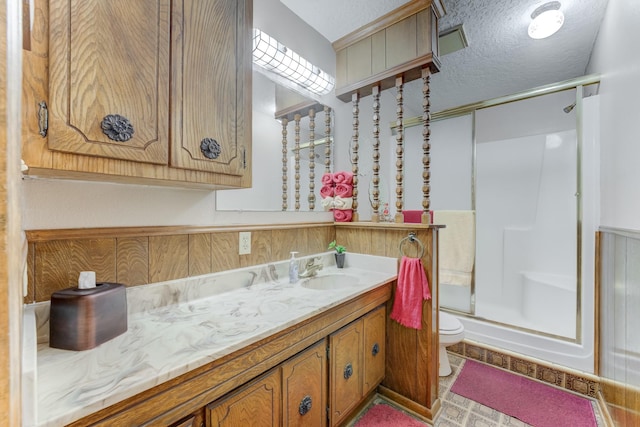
<point>381,415</point>
<point>529,401</point>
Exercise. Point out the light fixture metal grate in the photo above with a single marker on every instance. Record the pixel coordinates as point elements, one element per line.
<point>274,56</point>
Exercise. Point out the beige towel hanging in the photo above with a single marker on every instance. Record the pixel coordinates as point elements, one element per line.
<point>457,247</point>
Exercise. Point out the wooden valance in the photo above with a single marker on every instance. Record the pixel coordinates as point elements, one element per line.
<point>402,42</point>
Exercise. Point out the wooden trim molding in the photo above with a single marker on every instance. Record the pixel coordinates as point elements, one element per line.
<point>34,236</point>
<point>12,256</point>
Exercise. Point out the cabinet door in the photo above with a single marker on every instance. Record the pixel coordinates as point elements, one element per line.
<point>304,388</point>
<point>345,371</point>
<point>109,78</point>
<point>211,85</point>
<point>374,349</point>
<point>195,420</point>
<point>254,405</point>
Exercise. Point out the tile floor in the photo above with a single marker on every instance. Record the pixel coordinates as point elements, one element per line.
<point>458,411</point>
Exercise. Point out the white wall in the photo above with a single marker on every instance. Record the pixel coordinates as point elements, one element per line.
<point>616,57</point>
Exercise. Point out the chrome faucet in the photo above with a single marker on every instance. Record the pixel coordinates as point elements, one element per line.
<point>311,268</point>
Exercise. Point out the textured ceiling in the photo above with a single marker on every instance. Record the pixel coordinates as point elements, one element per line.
<point>501,59</point>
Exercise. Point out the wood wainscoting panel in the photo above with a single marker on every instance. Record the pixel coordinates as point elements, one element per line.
<point>200,254</point>
<point>224,251</point>
<point>168,257</point>
<point>132,260</point>
<point>319,239</point>
<point>140,255</point>
<point>58,263</point>
<point>260,249</point>
<point>355,240</point>
<point>288,240</point>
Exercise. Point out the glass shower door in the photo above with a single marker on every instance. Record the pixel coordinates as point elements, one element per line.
<point>526,215</point>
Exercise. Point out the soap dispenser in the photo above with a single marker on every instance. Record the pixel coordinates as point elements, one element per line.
<point>293,268</point>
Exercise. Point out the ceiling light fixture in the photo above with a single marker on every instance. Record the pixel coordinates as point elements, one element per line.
<point>546,20</point>
<point>272,55</point>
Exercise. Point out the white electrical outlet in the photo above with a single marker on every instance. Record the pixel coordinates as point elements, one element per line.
<point>244,243</point>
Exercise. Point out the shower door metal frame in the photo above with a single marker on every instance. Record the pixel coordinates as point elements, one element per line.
<point>470,109</point>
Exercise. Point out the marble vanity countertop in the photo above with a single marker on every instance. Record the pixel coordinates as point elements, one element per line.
<point>177,327</point>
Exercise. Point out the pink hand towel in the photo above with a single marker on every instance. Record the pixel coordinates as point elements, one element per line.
<point>343,178</point>
<point>342,215</point>
<point>327,191</point>
<point>412,289</point>
<point>344,190</point>
<point>327,179</point>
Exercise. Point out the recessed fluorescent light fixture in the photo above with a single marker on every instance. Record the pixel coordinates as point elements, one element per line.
<point>273,56</point>
<point>546,20</point>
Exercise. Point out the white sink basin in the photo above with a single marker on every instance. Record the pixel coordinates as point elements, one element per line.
<point>330,281</point>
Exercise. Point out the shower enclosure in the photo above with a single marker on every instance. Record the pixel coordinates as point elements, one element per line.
<point>526,215</point>
<point>519,165</point>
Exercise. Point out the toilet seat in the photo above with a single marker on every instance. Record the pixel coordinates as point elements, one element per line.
<point>449,325</point>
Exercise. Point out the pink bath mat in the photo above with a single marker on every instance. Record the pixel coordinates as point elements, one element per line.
<point>529,401</point>
<point>382,415</point>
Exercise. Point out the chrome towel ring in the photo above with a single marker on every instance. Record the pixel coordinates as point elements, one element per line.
<point>411,238</point>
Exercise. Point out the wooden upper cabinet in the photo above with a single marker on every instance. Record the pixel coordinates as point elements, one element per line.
<point>146,92</point>
<point>402,42</point>
<point>211,96</point>
<point>109,78</point>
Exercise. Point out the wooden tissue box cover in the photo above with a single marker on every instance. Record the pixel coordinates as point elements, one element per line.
<point>82,319</point>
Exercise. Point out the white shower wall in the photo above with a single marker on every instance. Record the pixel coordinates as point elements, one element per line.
<point>526,227</point>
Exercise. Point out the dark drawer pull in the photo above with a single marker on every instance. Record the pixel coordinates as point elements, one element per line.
<point>348,371</point>
<point>305,405</point>
<point>375,349</point>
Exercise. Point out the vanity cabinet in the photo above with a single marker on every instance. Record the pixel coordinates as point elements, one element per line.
<point>154,92</point>
<point>287,379</point>
<point>194,420</point>
<point>304,388</point>
<point>256,404</point>
<point>357,363</point>
<point>293,394</point>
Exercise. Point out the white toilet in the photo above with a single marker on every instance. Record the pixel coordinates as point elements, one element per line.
<point>451,332</point>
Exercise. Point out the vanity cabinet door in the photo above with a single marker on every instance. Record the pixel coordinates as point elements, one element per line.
<point>195,420</point>
<point>304,388</point>
<point>210,90</point>
<point>345,370</point>
<point>258,404</point>
<point>374,325</point>
<point>109,78</point>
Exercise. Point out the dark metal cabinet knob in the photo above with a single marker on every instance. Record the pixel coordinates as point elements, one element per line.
<point>305,405</point>
<point>348,371</point>
<point>117,127</point>
<point>210,148</point>
<point>375,349</point>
